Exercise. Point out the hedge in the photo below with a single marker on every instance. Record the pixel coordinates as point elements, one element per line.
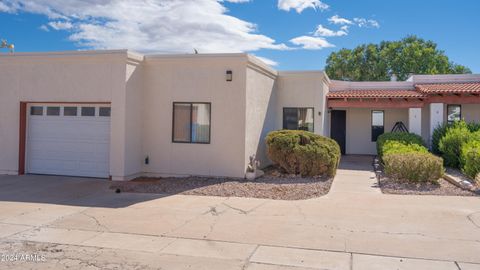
<point>303,152</point>
<point>451,143</point>
<point>405,157</point>
<point>470,158</point>
<point>407,138</point>
<point>440,131</point>
<point>416,167</point>
<point>397,147</point>
<point>437,135</point>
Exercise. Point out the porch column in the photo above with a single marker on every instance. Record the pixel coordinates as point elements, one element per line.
<point>436,116</point>
<point>415,120</point>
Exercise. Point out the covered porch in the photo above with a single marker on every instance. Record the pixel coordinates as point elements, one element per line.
<point>358,117</point>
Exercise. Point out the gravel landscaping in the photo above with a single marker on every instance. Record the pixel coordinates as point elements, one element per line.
<point>444,188</point>
<point>273,185</point>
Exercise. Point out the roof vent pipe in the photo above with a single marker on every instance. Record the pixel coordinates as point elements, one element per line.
<point>393,77</point>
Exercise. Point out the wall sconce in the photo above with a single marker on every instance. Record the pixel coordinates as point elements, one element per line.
<point>229,75</point>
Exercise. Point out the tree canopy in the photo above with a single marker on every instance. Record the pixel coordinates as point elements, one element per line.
<point>377,62</point>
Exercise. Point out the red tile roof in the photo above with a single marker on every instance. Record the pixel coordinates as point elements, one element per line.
<point>450,88</point>
<point>375,93</point>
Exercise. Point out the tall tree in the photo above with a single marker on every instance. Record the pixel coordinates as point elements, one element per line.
<point>377,62</point>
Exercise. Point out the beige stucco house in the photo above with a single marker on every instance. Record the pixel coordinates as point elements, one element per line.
<point>119,114</point>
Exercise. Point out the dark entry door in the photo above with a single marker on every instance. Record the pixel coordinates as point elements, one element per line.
<point>339,128</point>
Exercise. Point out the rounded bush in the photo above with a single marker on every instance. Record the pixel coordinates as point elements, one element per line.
<point>416,167</point>
<point>440,131</point>
<point>404,137</point>
<point>451,143</point>
<point>470,158</point>
<point>303,152</point>
<point>397,147</point>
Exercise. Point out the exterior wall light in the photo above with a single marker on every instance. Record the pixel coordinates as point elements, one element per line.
<point>229,75</point>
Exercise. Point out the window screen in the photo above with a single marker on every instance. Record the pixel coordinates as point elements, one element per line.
<point>454,113</point>
<point>298,119</point>
<point>191,122</point>
<point>378,125</point>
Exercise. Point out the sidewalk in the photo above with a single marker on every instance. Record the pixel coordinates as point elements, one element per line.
<point>355,175</point>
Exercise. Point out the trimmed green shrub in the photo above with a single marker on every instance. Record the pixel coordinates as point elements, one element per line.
<point>416,167</point>
<point>303,152</point>
<point>407,138</point>
<point>397,147</point>
<point>453,140</point>
<point>470,158</point>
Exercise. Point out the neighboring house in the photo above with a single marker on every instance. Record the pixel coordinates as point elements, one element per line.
<point>120,114</point>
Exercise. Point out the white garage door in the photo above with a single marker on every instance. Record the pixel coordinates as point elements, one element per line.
<point>68,140</point>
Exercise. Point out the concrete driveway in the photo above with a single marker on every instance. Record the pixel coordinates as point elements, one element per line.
<point>80,224</point>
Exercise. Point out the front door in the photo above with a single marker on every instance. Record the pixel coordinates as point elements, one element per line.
<point>339,128</point>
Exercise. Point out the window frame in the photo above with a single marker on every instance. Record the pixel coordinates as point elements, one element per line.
<point>191,122</point>
<point>88,107</point>
<point>109,109</point>
<point>76,111</point>
<point>298,108</point>
<point>32,109</point>
<point>371,124</point>
<point>451,105</point>
<point>47,113</point>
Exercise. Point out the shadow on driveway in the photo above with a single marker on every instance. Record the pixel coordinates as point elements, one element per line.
<point>64,190</point>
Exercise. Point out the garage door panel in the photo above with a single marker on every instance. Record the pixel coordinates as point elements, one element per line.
<point>69,145</point>
<point>65,130</point>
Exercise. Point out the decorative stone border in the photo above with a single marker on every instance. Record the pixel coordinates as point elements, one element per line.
<point>458,179</point>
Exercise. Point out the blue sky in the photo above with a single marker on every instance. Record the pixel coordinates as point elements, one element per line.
<point>283,31</point>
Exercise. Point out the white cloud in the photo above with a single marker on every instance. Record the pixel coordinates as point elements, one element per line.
<point>325,32</point>
<point>45,28</point>
<point>60,25</point>
<point>235,1</point>
<point>152,26</point>
<point>360,22</point>
<point>335,19</point>
<point>4,7</point>
<point>311,43</point>
<point>267,61</point>
<point>300,5</point>
<point>369,23</point>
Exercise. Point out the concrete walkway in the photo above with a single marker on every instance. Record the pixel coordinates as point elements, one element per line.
<point>80,224</point>
<point>355,175</point>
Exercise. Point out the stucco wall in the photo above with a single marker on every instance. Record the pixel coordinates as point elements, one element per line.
<point>195,79</point>
<point>359,129</point>
<point>55,77</point>
<point>260,113</point>
<point>301,89</point>
<point>134,124</point>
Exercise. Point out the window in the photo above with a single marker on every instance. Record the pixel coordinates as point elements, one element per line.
<point>378,126</point>
<point>70,111</point>
<point>191,122</point>
<point>36,110</point>
<point>104,111</point>
<point>298,119</point>
<point>53,111</point>
<point>88,111</point>
<point>454,113</point>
